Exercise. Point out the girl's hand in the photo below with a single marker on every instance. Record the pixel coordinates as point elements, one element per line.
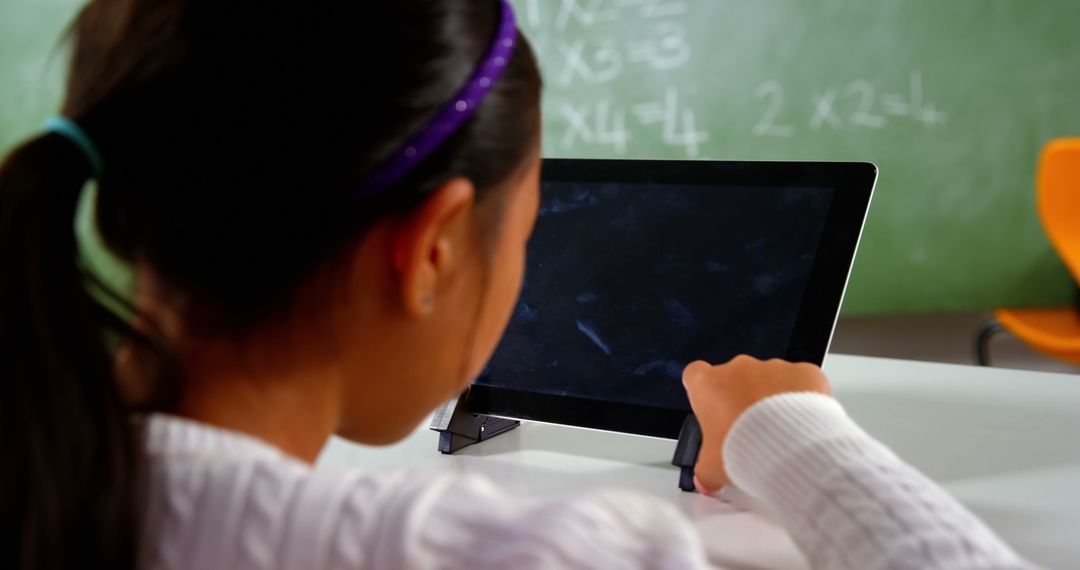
<point>720,394</point>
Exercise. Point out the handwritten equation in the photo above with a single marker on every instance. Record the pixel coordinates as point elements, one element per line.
<point>619,71</point>
<point>601,61</point>
<point>859,104</point>
<point>601,51</point>
<point>589,46</point>
<point>602,123</point>
<point>589,13</point>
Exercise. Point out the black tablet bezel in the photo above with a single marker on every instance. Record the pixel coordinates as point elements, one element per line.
<point>853,184</point>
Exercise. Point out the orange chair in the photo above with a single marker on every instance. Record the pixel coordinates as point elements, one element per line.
<point>1053,332</point>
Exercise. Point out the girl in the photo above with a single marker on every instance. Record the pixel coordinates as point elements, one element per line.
<point>326,207</point>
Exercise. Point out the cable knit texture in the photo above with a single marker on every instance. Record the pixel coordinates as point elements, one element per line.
<point>847,500</point>
<point>218,499</point>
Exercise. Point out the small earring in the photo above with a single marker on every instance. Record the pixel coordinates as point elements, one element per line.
<point>428,301</point>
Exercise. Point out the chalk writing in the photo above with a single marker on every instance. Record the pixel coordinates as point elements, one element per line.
<point>599,59</point>
<point>774,93</point>
<point>858,104</point>
<point>600,66</point>
<point>607,127</point>
<point>678,124</point>
<point>601,123</point>
<point>589,13</point>
<point>604,55</point>
<point>666,49</point>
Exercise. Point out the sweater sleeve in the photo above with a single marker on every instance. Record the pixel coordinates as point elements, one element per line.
<point>423,520</point>
<point>846,499</point>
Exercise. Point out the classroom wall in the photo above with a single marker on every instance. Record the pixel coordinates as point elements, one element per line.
<point>32,64</point>
<point>952,100</point>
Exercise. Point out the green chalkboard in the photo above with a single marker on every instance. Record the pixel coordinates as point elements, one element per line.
<point>951,98</point>
<point>32,64</point>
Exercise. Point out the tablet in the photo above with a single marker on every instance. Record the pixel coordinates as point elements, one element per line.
<point>638,267</point>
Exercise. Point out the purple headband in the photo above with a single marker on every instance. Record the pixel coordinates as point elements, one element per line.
<point>453,114</point>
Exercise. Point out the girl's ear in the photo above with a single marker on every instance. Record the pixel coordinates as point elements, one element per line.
<point>429,242</point>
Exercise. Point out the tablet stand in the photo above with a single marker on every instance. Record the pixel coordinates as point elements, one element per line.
<point>459,428</point>
<point>686,452</point>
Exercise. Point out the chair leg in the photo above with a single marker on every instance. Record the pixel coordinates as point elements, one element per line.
<point>982,341</point>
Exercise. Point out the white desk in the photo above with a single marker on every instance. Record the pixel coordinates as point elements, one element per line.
<point>1005,442</point>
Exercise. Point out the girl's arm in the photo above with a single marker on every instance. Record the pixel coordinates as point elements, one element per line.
<point>846,499</point>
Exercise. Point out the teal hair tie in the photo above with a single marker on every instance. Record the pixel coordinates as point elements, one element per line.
<point>71,131</point>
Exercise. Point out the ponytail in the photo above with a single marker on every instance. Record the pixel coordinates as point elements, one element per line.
<point>67,455</point>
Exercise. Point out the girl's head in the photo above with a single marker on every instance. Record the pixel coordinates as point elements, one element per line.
<point>235,137</point>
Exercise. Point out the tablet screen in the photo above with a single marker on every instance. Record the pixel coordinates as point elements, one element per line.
<point>626,283</point>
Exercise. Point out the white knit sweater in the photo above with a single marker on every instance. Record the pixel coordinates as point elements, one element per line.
<point>219,499</point>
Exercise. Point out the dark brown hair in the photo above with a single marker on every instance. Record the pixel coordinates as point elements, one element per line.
<point>233,134</point>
